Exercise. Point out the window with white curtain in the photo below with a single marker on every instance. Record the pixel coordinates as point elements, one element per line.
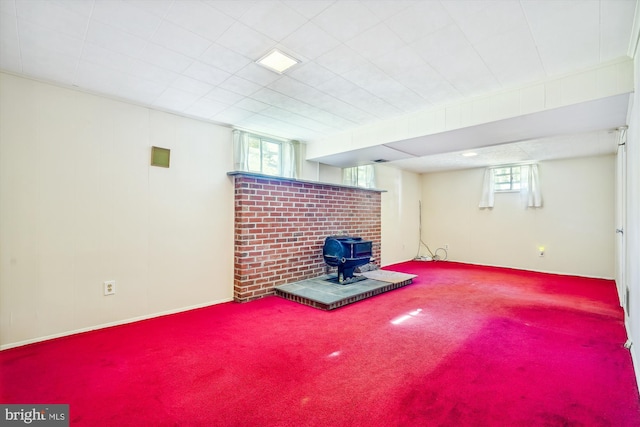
<point>507,178</point>
<point>359,176</point>
<point>264,155</point>
<point>512,178</point>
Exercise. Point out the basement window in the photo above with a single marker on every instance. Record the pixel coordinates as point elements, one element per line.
<point>507,178</point>
<point>264,155</point>
<point>359,176</point>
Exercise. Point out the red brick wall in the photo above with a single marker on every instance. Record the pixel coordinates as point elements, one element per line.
<point>281,224</point>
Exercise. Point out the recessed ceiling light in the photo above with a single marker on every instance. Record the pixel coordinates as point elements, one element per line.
<point>469,154</point>
<point>277,61</point>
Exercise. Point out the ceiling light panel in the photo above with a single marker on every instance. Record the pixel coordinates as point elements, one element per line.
<point>277,61</point>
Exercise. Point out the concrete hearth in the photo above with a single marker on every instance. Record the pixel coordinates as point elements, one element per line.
<point>323,293</point>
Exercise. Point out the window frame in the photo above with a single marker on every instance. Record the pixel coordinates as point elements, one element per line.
<point>515,186</point>
<point>261,142</point>
<point>361,172</point>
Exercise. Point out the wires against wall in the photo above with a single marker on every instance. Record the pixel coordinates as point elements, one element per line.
<point>440,254</point>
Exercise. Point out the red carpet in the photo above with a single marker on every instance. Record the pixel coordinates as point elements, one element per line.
<point>462,346</point>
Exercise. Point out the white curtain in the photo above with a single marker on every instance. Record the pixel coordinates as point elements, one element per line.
<point>350,176</point>
<point>488,189</point>
<point>369,176</point>
<point>288,154</point>
<point>240,150</point>
<point>530,187</point>
<point>359,176</point>
<point>289,163</point>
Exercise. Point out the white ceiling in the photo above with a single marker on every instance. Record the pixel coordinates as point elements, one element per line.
<point>361,61</point>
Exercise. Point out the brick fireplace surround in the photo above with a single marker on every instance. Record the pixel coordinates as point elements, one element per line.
<point>281,224</point>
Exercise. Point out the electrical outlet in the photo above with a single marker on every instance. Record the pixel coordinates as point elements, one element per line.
<point>446,246</point>
<point>541,251</point>
<point>110,287</point>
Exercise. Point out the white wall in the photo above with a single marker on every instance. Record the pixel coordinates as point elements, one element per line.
<point>400,213</point>
<point>79,204</point>
<point>330,174</point>
<point>632,230</point>
<point>576,225</point>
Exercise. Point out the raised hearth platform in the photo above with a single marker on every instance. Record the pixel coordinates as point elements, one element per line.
<point>322,293</point>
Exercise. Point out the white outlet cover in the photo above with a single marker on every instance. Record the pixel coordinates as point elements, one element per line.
<point>110,287</point>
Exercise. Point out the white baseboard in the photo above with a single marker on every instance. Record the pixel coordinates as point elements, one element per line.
<point>110,324</point>
<point>635,357</point>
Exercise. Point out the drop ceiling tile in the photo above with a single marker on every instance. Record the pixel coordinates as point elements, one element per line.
<point>615,21</point>
<point>147,71</point>
<point>333,121</point>
<point>199,18</point>
<point>49,65</point>
<point>54,16</point>
<point>239,85</point>
<point>206,73</point>
<point>512,58</point>
<point>224,58</point>
<point>180,40</point>
<point>564,33</point>
<point>190,85</point>
<point>9,41</point>
<point>175,99</point>
<point>308,8</point>
<point>165,58</point>
<point>272,97</point>
<point>126,17</point>
<point>375,42</point>
<point>419,20</point>
<point>344,20</point>
<point>271,126</point>
<point>232,115</point>
<point>566,146</point>
<point>225,96</point>
<point>8,7</point>
<point>115,39</point>
<point>233,8</point>
<point>446,41</point>
<point>136,89</point>
<point>384,9</point>
<point>338,87</point>
<point>35,37</point>
<point>480,20</point>
<point>205,108</point>
<point>97,55</point>
<point>258,74</point>
<point>311,73</point>
<point>274,19</point>
<point>405,99</point>
<point>436,90</point>
<point>154,7</point>
<point>470,76</point>
<point>97,78</point>
<point>341,59</point>
<point>293,88</point>
<point>245,41</point>
<point>250,104</point>
<point>403,61</point>
<point>363,100</point>
<point>10,60</point>
<point>309,41</point>
<point>373,80</point>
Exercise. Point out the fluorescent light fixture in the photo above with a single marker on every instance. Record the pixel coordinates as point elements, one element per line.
<point>469,154</point>
<point>277,61</point>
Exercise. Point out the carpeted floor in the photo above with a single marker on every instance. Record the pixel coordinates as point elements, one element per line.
<point>461,346</point>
